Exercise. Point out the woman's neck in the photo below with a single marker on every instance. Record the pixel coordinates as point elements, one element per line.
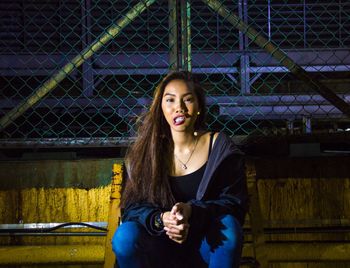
<point>183,141</point>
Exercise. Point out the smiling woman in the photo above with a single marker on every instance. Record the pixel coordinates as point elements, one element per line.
<point>184,191</point>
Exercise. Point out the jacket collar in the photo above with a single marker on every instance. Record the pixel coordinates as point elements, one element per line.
<point>223,147</point>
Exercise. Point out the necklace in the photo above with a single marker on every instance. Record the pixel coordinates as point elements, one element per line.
<point>184,164</point>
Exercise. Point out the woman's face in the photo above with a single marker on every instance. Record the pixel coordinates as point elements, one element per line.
<point>180,106</point>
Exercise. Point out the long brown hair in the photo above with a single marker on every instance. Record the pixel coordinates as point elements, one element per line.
<point>149,159</point>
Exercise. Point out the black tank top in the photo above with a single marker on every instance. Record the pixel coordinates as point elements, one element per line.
<point>184,188</point>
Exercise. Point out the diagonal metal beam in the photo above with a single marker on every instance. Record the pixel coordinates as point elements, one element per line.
<point>76,62</point>
<point>278,54</point>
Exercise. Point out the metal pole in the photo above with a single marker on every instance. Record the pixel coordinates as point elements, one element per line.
<point>173,37</point>
<point>54,234</point>
<point>186,35</point>
<point>188,40</point>
<point>278,54</point>
<point>269,19</point>
<point>114,214</point>
<point>244,73</point>
<point>76,62</point>
<point>256,217</point>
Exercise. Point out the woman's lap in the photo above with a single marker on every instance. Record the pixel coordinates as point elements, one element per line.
<point>220,246</point>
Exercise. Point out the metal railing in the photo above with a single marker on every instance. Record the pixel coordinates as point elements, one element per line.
<point>85,70</point>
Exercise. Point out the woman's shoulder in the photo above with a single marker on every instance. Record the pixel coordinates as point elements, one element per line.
<point>215,136</point>
<point>222,139</point>
<point>209,137</point>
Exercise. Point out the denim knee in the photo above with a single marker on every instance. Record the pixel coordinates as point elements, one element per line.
<point>233,233</point>
<point>126,238</point>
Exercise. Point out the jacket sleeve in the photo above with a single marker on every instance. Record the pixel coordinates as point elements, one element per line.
<point>142,212</point>
<point>227,194</point>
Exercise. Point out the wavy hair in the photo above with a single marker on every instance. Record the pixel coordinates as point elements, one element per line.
<point>150,159</point>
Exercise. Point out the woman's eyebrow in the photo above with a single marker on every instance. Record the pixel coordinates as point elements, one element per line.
<point>169,94</point>
<point>174,95</point>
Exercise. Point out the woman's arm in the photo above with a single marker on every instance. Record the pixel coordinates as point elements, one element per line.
<point>145,214</point>
<point>227,194</point>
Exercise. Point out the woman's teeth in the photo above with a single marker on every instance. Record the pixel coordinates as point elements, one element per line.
<point>179,120</point>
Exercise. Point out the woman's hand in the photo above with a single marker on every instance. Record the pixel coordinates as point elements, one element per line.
<point>176,222</point>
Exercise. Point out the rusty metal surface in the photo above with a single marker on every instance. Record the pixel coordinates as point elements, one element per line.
<point>65,254</point>
<point>308,252</point>
<point>87,173</point>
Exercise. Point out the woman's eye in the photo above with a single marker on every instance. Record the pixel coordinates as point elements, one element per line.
<point>188,100</point>
<point>169,100</point>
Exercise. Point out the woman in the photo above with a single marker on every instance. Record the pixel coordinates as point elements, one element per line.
<point>184,198</point>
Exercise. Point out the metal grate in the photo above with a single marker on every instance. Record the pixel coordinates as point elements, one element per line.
<point>248,90</point>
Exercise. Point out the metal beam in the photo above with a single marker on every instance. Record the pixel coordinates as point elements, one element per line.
<point>129,102</point>
<point>281,56</point>
<point>94,254</point>
<point>186,53</point>
<point>303,252</point>
<point>244,62</point>
<point>173,36</point>
<point>77,61</point>
<point>237,107</point>
<point>47,254</point>
<point>337,60</point>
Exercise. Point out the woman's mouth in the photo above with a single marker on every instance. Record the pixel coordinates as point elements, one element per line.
<point>179,120</point>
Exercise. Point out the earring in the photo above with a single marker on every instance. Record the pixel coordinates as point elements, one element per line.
<point>195,133</point>
<point>198,113</point>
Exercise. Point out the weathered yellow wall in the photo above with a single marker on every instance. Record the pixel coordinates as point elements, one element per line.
<point>295,191</point>
<point>55,205</point>
<point>302,202</point>
<point>310,265</point>
<point>299,193</point>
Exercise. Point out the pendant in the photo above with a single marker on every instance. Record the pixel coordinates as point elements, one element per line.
<point>184,166</point>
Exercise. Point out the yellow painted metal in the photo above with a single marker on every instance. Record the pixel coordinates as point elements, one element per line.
<point>304,252</point>
<point>39,205</point>
<point>114,214</point>
<point>92,254</point>
<point>257,220</point>
<point>82,173</point>
<point>67,254</point>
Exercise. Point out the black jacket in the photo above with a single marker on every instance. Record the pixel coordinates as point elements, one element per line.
<point>223,190</point>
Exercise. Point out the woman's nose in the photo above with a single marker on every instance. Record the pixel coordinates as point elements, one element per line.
<point>180,108</point>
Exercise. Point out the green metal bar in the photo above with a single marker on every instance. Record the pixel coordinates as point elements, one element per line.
<point>278,54</point>
<point>186,59</point>
<point>173,37</point>
<point>77,61</point>
<point>183,36</point>
<point>188,40</point>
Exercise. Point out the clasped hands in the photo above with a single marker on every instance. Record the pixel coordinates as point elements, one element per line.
<point>176,223</point>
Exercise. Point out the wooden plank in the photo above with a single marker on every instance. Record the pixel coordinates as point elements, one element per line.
<point>114,215</point>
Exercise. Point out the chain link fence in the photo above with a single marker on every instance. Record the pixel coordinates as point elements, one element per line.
<point>82,71</point>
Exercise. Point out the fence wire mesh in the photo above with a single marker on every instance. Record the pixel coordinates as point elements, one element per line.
<point>87,69</point>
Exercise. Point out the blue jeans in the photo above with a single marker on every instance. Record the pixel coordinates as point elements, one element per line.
<point>219,246</point>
